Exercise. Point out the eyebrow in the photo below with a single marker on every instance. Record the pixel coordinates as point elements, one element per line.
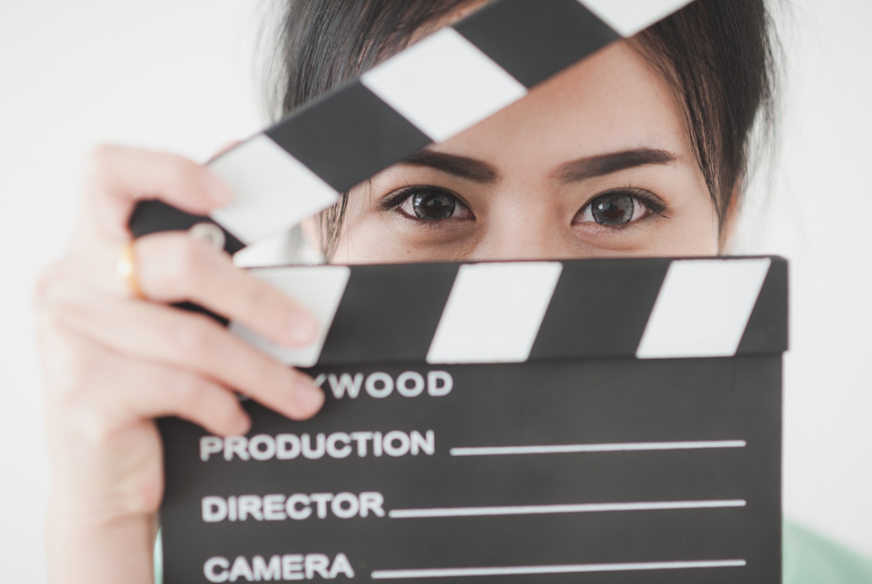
<point>575,171</point>
<point>595,166</point>
<point>460,166</point>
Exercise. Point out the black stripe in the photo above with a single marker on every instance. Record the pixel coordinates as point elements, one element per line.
<point>155,216</point>
<point>534,39</point>
<point>600,308</point>
<point>388,313</point>
<point>767,329</point>
<point>348,136</point>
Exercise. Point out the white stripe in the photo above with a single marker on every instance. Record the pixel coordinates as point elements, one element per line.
<point>568,448</point>
<point>318,288</point>
<point>566,569</point>
<point>548,509</point>
<point>272,189</point>
<point>443,84</point>
<point>494,312</point>
<point>631,16</point>
<point>702,308</point>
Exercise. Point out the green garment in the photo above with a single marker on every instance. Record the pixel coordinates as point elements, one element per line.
<point>808,559</point>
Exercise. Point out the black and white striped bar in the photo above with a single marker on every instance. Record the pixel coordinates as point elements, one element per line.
<point>435,89</point>
<point>525,311</point>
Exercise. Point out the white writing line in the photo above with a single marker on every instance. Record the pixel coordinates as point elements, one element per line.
<point>564,448</point>
<point>567,569</point>
<point>544,509</point>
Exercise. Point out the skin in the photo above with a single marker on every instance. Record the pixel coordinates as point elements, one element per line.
<point>114,362</point>
<point>538,164</point>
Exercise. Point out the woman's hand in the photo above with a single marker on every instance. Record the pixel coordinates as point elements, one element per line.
<point>113,362</point>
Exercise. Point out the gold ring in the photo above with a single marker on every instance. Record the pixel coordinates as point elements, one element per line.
<point>127,270</point>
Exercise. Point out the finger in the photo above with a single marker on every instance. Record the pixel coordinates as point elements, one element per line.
<point>94,265</point>
<point>154,390</point>
<point>122,391</point>
<point>174,268</point>
<point>188,341</point>
<point>118,176</point>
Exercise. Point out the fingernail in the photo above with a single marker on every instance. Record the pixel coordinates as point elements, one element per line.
<point>309,397</point>
<point>303,328</point>
<point>217,189</point>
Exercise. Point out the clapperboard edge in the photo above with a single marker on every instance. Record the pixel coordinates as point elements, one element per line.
<point>431,91</point>
<point>511,312</point>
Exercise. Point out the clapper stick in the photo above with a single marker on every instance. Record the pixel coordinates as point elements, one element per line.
<point>429,92</point>
<point>451,314</point>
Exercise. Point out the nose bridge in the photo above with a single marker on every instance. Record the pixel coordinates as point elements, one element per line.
<point>522,229</point>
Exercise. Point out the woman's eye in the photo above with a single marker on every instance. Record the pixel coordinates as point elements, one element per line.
<point>432,204</point>
<point>617,208</point>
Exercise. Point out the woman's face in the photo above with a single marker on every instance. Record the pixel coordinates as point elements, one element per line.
<point>597,162</point>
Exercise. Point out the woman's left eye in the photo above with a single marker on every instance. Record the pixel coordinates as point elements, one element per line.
<point>429,204</point>
<point>617,208</point>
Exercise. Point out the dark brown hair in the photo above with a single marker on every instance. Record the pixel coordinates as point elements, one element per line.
<point>718,54</point>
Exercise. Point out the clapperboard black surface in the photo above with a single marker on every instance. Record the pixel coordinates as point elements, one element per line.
<point>577,421</point>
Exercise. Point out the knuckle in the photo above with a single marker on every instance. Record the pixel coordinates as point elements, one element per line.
<point>95,426</point>
<point>100,167</point>
<point>44,290</point>
<point>47,321</point>
<point>223,408</point>
<point>50,298</point>
<point>76,379</point>
<point>190,390</point>
<point>227,412</point>
<point>260,301</point>
<point>187,260</point>
<point>192,393</point>
<point>99,161</point>
<point>193,338</point>
<point>273,377</point>
<point>176,260</point>
<point>100,156</point>
<point>191,257</point>
<point>182,172</point>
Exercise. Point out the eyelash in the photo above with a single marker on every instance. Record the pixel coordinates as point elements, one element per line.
<point>394,200</point>
<point>653,204</point>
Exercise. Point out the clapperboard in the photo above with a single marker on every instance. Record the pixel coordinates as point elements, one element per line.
<point>542,421</point>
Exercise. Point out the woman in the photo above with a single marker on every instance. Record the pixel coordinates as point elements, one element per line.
<point>643,149</point>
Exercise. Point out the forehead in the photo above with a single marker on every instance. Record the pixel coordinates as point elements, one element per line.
<point>614,100</point>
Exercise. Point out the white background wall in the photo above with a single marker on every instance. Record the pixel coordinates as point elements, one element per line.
<point>178,75</point>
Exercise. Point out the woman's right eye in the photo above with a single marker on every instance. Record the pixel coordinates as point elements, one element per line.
<point>428,204</point>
